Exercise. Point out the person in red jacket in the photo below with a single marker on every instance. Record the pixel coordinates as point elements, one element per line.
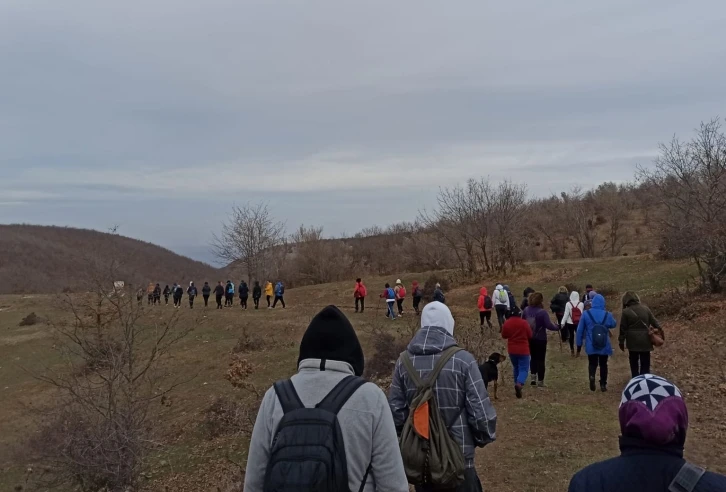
<point>485,308</point>
<point>360,294</point>
<point>517,332</point>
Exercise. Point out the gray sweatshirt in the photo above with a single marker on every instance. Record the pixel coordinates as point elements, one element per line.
<point>368,431</point>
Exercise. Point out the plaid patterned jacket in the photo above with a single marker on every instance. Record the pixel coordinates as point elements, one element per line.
<point>460,393</point>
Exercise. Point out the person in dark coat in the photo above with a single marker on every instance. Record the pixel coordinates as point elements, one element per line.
<point>559,303</point>
<point>167,293</point>
<point>206,291</point>
<point>653,422</point>
<point>219,293</point>
<point>525,301</point>
<point>635,325</point>
<point>257,294</point>
<point>244,294</point>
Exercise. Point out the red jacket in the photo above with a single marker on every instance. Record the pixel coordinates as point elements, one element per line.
<point>360,290</point>
<point>517,332</point>
<point>482,296</point>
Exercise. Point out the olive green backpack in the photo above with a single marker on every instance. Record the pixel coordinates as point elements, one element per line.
<point>430,455</point>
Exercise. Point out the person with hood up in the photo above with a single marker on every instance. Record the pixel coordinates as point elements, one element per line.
<point>268,293</point>
<point>513,308</point>
<point>359,294</point>
<point>257,294</point>
<point>219,292</point>
<point>571,319</point>
<point>459,389</point>
<point>244,294</point>
<point>230,293</point>
<point>439,294</point>
<point>400,291</point>
<point>558,304</point>
<point>485,305</point>
<point>539,321</point>
<point>167,293</point>
<point>329,353</point>
<point>636,324</point>
<point>157,294</point>
<point>390,296</point>
<point>417,294</point>
<point>653,425</point>
<point>518,333</point>
<point>501,304</point>
<point>525,298</point>
<point>192,291</point>
<point>206,291</point>
<point>594,330</point>
<point>178,293</point>
<point>279,294</point>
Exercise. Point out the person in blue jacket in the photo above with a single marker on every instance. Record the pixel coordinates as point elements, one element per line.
<point>594,330</point>
<point>279,295</point>
<point>653,424</point>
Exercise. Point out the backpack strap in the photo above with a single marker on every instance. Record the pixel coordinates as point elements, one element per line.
<point>445,356</point>
<point>412,372</point>
<point>340,394</point>
<point>365,478</point>
<point>589,315</point>
<point>288,397</point>
<point>687,478</point>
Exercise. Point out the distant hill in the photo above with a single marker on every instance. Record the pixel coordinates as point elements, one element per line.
<point>40,259</point>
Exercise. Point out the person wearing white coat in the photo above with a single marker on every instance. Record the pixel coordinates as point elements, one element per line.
<point>573,312</point>
<point>501,304</point>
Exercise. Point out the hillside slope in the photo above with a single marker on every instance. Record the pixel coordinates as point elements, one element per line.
<point>40,259</point>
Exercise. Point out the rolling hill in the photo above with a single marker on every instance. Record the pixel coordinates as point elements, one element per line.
<point>41,259</point>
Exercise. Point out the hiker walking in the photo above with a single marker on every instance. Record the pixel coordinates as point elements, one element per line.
<point>167,293</point>
<point>653,427</point>
<point>539,321</point>
<point>588,296</point>
<point>594,330</point>
<point>359,294</point>
<point>140,297</point>
<point>229,299</point>
<point>513,308</point>
<point>279,294</point>
<point>390,296</point>
<point>485,306</point>
<point>256,294</point>
<point>636,325</point>
<point>400,291</point>
<point>501,304</point>
<point>417,294</point>
<point>459,408</point>
<point>244,294</point>
<point>439,294</point>
<point>206,292</point>
<point>219,292</point>
<point>517,333</point>
<point>192,291</point>
<point>178,293</point>
<point>325,429</point>
<point>157,295</point>
<point>150,293</point>
<point>558,304</point>
<point>571,320</point>
<point>525,297</point>
<point>268,293</point>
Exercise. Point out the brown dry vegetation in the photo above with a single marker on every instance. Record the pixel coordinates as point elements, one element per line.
<point>203,426</point>
<point>38,259</point>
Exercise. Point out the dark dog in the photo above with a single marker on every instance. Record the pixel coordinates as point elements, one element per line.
<point>490,372</point>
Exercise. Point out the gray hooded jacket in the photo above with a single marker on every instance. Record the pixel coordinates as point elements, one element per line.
<point>460,393</point>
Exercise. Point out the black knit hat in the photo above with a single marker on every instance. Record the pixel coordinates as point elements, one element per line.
<point>330,336</point>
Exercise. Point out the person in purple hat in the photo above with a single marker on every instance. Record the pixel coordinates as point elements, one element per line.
<point>653,422</point>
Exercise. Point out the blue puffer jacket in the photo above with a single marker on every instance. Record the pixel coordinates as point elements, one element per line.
<point>589,319</point>
<point>641,467</point>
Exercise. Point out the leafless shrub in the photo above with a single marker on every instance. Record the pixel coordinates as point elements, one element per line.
<point>608,291</point>
<point>248,343</point>
<point>225,416</point>
<point>572,287</point>
<point>387,350</point>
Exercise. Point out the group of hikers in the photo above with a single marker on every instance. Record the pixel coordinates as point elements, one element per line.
<point>327,429</point>
<point>222,292</point>
<point>395,297</point>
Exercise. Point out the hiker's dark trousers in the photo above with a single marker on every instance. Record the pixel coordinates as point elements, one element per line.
<point>568,334</point>
<point>471,484</point>
<point>598,360</point>
<point>243,301</point>
<point>399,302</point>
<point>501,314</point>
<point>257,302</point>
<point>485,316</point>
<point>191,301</point>
<point>538,351</point>
<point>416,304</point>
<point>278,298</point>
<point>268,300</point>
<point>206,300</point>
<point>166,298</point>
<point>360,301</point>
<point>219,302</point>
<point>639,363</point>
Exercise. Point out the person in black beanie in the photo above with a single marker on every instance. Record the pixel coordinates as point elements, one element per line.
<point>330,352</point>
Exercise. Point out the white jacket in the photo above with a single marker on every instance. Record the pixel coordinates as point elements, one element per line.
<point>574,302</point>
<point>500,293</point>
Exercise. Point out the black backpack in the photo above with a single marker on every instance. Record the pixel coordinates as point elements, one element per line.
<point>308,452</point>
<point>488,304</point>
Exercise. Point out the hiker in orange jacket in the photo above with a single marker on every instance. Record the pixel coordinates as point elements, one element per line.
<point>360,294</point>
<point>485,308</point>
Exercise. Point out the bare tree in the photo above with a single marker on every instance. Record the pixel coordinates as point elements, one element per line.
<point>690,182</point>
<point>318,260</point>
<point>550,220</point>
<point>507,210</point>
<point>249,238</point>
<point>614,203</point>
<point>581,227</point>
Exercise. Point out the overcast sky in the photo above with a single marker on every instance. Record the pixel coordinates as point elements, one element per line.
<point>158,115</point>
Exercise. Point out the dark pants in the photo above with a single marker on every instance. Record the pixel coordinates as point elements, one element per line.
<point>416,304</point>
<point>278,298</point>
<point>206,300</point>
<point>360,301</point>
<point>639,363</point>
<point>485,316</point>
<point>228,300</point>
<point>219,302</point>
<point>166,298</point>
<point>471,484</point>
<point>256,300</point>
<point>538,350</point>
<point>149,299</point>
<point>568,334</point>
<point>268,300</point>
<point>400,305</point>
<point>177,301</point>
<point>191,302</point>
<point>501,314</point>
<point>243,302</point>
<point>559,317</point>
<point>598,360</point>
